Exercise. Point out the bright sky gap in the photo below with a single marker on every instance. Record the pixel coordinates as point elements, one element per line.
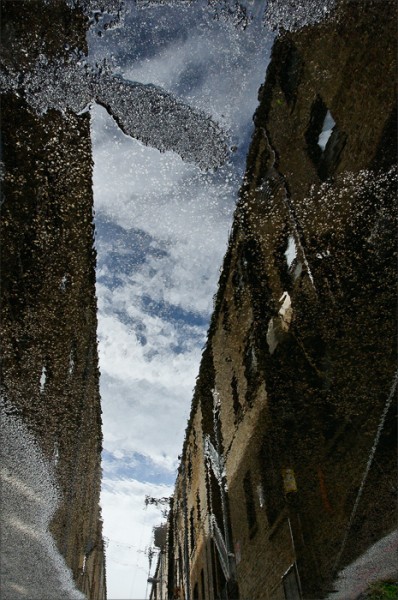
<point>161,232</point>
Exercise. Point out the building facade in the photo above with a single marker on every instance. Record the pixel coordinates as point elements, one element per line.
<point>49,368</point>
<point>288,470</point>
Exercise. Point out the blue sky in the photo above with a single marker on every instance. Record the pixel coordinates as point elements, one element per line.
<point>137,466</point>
<point>162,228</point>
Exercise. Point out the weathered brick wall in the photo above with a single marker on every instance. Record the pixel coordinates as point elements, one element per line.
<point>191,532</point>
<point>302,346</point>
<point>48,307</point>
<point>325,395</point>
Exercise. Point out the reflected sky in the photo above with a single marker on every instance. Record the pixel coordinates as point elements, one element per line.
<point>162,228</point>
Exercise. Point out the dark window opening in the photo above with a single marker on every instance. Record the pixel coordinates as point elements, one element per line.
<point>282,255</point>
<point>247,274</point>
<point>198,507</point>
<point>189,471</point>
<point>180,564</point>
<point>250,505</point>
<point>195,443</point>
<point>219,581</point>
<point>72,358</point>
<point>235,399</point>
<point>256,281</point>
<point>203,394</point>
<point>238,282</point>
<point>325,142</point>
<point>290,254</point>
<point>196,592</point>
<point>202,584</point>
<point>192,528</point>
<point>317,117</point>
<point>271,481</point>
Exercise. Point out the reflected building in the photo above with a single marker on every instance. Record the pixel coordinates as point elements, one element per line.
<point>50,375</point>
<point>288,470</point>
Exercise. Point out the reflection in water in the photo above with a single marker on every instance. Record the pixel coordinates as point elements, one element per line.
<point>289,457</point>
<point>303,362</point>
<point>31,565</point>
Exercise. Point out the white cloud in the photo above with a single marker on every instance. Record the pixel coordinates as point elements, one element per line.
<point>152,320</point>
<point>218,56</point>
<point>128,532</point>
<point>144,418</point>
<point>146,389</point>
<point>187,213</point>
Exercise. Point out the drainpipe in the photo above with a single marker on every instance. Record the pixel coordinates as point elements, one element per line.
<point>161,575</point>
<point>186,550</point>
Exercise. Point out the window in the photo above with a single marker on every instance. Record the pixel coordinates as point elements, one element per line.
<point>196,592</point>
<point>202,583</point>
<point>325,142</point>
<point>238,281</point>
<point>192,528</point>
<point>327,130</point>
<point>226,317</point>
<point>250,505</point>
<point>291,251</point>
<point>198,507</point>
<point>271,480</point>
<point>235,399</point>
<point>189,470</point>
